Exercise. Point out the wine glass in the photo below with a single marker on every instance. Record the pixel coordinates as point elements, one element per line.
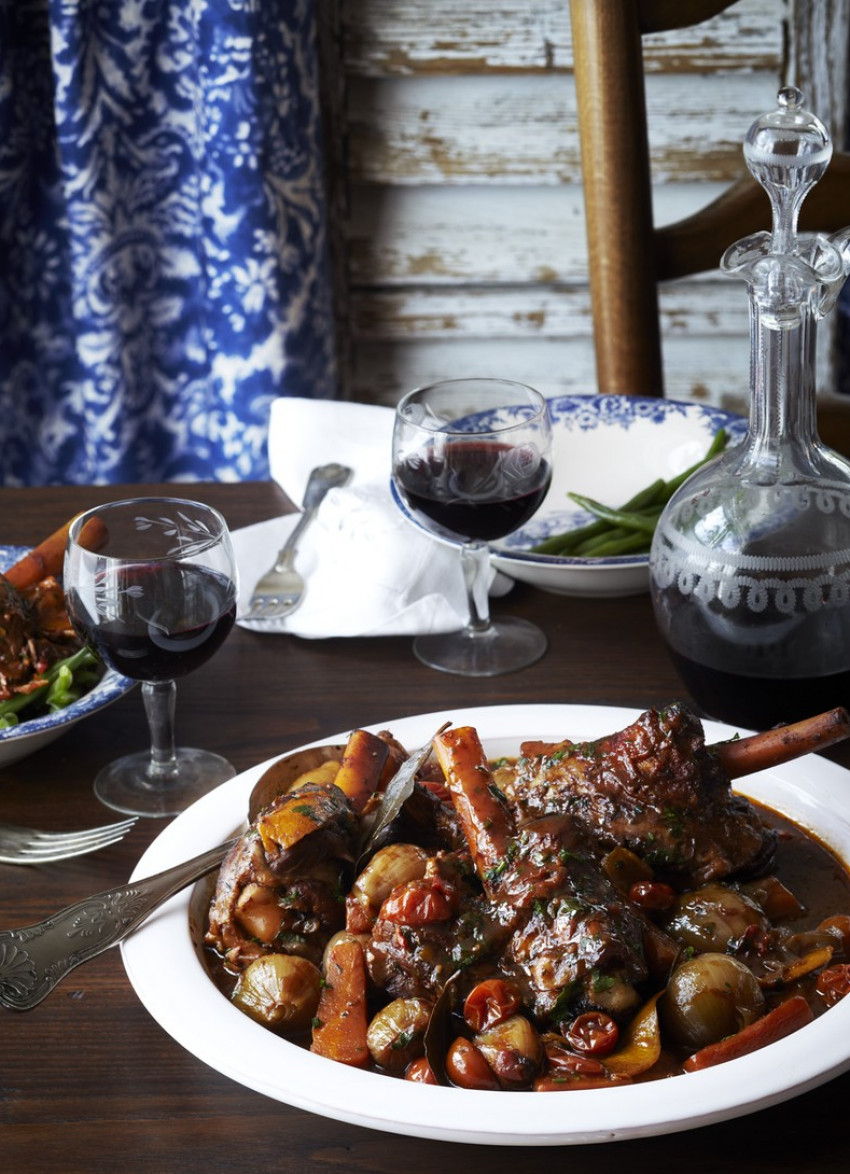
<point>471,461</point>
<point>150,584</point>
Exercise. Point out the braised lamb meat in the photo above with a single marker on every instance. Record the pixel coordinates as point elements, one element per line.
<point>655,788</point>
<point>535,910</point>
<point>432,926</point>
<point>576,942</point>
<point>35,632</point>
<point>257,909</point>
<point>538,848</point>
<point>523,890</point>
<point>17,628</point>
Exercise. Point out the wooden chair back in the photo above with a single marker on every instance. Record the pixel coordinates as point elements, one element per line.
<point>627,255</point>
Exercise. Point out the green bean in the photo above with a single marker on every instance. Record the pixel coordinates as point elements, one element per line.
<point>570,541</point>
<point>633,543</point>
<point>614,530</point>
<point>628,519</point>
<point>647,497</point>
<point>567,542</point>
<point>612,534</point>
<point>588,549</point>
<point>718,444</point>
<point>57,691</point>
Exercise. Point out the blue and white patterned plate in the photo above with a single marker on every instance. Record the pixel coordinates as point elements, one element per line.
<point>607,447</point>
<point>22,740</point>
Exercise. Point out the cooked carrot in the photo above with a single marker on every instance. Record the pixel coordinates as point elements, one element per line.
<point>313,821</point>
<point>485,819</point>
<point>773,747</point>
<point>339,1029</point>
<point>775,899</point>
<point>93,535</point>
<point>47,558</point>
<point>361,767</point>
<point>789,1016</point>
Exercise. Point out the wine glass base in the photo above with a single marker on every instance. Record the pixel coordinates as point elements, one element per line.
<point>505,646</point>
<point>127,786</point>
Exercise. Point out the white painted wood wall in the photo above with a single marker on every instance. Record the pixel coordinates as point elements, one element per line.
<point>458,214</point>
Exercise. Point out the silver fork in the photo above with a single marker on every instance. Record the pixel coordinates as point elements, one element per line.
<point>23,845</point>
<point>280,590</point>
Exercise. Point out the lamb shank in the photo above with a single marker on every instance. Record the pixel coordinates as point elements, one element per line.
<point>655,788</point>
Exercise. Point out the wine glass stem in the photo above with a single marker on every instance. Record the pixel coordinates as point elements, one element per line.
<point>475,560</point>
<point>160,701</point>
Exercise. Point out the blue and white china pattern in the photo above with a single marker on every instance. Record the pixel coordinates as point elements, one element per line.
<point>586,413</point>
<point>591,412</point>
<point>109,688</point>
<point>162,214</point>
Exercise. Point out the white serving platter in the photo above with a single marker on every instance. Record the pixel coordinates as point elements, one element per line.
<point>167,973</point>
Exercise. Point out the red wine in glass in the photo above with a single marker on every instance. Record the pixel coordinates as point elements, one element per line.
<point>154,593</point>
<point>194,608</point>
<point>473,489</point>
<point>471,463</point>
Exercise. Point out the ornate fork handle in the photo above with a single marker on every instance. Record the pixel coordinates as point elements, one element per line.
<point>321,481</point>
<point>35,958</point>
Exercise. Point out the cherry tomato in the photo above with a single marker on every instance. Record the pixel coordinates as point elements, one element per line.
<point>420,1071</point>
<point>593,1034</point>
<point>467,1068</point>
<point>489,1002</point>
<point>567,1070</point>
<point>420,902</point>
<point>653,896</point>
<point>834,983</point>
<point>754,938</point>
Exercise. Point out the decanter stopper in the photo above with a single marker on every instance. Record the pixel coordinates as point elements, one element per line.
<point>787,151</point>
<point>790,276</point>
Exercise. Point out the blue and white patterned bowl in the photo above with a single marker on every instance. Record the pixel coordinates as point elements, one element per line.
<point>607,447</point>
<point>34,733</point>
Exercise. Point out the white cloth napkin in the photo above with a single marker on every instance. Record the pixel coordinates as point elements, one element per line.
<point>369,571</point>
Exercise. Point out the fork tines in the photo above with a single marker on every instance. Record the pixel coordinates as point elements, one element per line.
<point>30,845</point>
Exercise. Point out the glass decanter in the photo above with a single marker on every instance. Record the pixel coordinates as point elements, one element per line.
<point>750,564</point>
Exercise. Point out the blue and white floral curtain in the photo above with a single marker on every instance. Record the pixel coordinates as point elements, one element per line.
<point>163,269</point>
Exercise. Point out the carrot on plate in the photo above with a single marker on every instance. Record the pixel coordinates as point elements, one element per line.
<point>789,1016</point>
<point>341,1023</point>
<point>360,769</point>
<point>47,558</point>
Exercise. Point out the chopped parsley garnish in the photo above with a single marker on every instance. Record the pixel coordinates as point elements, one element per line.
<point>602,982</point>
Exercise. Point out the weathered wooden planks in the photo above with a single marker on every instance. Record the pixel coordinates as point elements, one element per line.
<point>493,235</point>
<point>459,222</point>
<point>523,128</point>
<point>560,365</point>
<point>386,38</point>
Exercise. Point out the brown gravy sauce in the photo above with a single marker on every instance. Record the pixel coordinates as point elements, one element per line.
<point>810,869</point>
<point>805,865</point>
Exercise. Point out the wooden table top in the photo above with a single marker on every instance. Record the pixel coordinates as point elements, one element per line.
<point>89,1082</point>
